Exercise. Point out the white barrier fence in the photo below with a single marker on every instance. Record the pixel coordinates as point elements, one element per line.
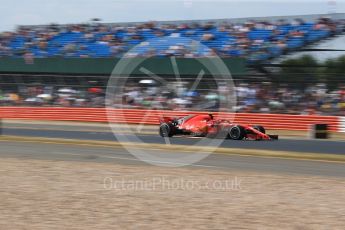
<point>342,124</point>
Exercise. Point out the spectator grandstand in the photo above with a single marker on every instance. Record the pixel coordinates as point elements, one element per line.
<point>254,40</point>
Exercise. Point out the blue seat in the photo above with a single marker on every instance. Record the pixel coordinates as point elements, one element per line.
<point>221,40</point>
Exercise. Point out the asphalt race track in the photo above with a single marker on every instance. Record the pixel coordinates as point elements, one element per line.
<point>292,145</point>
<point>118,155</point>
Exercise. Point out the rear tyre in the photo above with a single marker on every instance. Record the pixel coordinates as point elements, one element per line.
<point>259,128</point>
<point>165,130</point>
<point>237,132</point>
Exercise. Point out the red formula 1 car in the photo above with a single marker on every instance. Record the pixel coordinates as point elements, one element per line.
<point>207,126</point>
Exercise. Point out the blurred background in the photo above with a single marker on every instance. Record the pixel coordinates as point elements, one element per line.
<point>284,57</point>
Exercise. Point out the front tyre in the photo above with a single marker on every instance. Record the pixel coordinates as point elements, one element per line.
<point>237,132</point>
<point>165,130</point>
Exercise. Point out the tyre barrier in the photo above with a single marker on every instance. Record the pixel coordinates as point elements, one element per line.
<point>151,117</point>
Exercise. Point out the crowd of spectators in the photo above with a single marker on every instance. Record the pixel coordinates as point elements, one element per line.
<point>272,98</point>
<point>253,97</point>
<point>255,40</point>
<point>49,96</point>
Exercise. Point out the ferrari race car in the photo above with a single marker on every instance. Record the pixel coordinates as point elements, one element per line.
<point>207,126</point>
